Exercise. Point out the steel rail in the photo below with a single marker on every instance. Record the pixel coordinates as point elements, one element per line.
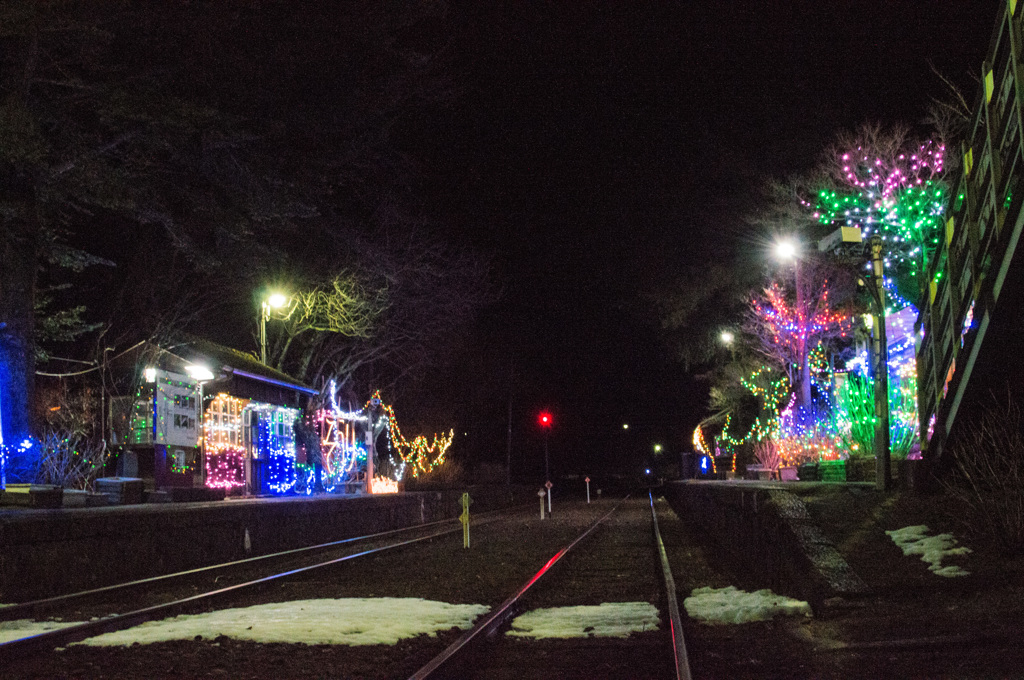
<point>35,607</point>
<point>682,661</point>
<point>21,647</point>
<point>493,620</point>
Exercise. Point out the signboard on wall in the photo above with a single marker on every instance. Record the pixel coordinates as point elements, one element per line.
<point>166,411</point>
<point>176,408</point>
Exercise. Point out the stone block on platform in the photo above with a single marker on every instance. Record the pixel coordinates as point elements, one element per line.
<point>120,490</point>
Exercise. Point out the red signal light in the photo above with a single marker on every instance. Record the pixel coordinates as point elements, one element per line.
<point>544,419</point>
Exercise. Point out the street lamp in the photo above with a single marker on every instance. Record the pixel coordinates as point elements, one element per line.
<point>275,301</point>
<point>789,250</point>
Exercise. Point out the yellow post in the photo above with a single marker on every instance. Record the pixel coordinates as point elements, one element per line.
<point>464,518</point>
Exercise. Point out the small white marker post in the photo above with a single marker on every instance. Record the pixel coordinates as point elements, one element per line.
<point>541,494</point>
<point>587,480</point>
<point>548,485</point>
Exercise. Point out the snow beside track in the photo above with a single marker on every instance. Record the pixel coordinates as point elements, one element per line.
<point>356,621</point>
<point>609,619</point>
<point>16,630</point>
<point>351,621</point>
<point>731,605</point>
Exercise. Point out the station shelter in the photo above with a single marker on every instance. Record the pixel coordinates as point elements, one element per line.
<point>208,415</point>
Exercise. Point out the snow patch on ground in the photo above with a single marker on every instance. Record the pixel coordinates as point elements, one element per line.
<point>608,619</point>
<point>932,549</point>
<point>731,605</point>
<point>16,630</point>
<point>354,621</point>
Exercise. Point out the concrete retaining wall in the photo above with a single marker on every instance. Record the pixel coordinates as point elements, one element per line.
<point>47,552</point>
<point>768,532</point>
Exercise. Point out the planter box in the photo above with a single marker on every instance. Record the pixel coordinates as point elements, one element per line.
<point>788,474</point>
<point>808,472</point>
<point>832,470</point>
<point>860,470</point>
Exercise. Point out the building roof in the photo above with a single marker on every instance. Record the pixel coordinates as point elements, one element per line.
<point>223,361</point>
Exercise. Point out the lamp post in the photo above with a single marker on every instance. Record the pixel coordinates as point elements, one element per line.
<point>275,301</point>
<point>789,249</point>
<point>880,347</point>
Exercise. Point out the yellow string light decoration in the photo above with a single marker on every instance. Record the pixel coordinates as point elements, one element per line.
<point>422,455</point>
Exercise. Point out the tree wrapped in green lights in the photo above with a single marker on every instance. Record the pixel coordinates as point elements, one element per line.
<point>889,184</point>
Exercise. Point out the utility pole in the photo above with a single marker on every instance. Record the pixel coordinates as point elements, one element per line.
<point>508,443</point>
<point>880,345</point>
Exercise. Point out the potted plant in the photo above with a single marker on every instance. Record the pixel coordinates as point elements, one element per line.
<point>770,458</point>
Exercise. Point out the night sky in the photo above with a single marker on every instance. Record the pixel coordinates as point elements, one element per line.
<point>591,151</point>
<point>599,147</point>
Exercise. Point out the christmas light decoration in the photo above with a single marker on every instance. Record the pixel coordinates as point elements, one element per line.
<point>305,479</point>
<point>225,468</point>
<point>275,443</point>
<point>420,453</point>
<point>901,197</point>
<point>794,328</point>
<point>9,453</point>
<point>968,323</point>
<point>338,449</point>
<point>855,413</point>
<point>223,442</point>
<point>771,392</point>
<point>806,435</point>
<point>698,440</point>
<point>384,485</point>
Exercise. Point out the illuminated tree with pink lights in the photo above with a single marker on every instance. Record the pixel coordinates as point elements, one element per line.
<point>790,321</point>
<point>887,183</point>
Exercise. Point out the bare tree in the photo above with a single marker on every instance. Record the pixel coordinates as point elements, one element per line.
<point>433,291</point>
<point>343,307</point>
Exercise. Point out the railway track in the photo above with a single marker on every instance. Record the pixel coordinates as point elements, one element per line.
<point>586,555</point>
<point>611,562</point>
<point>180,592</point>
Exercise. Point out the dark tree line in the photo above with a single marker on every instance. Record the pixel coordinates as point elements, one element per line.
<point>164,165</point>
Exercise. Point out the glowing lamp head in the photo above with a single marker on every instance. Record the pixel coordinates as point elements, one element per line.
<point>277,300</point>
<point>727,337</point>
<point>544,419</point>
<point>786,249</point>
<point>199,372</point>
